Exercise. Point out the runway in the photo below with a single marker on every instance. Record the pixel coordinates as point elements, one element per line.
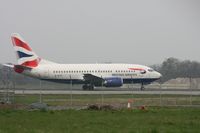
<point>79,92</point>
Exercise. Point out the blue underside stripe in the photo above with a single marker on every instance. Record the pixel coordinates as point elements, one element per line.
<point>125,81</point>
<point>22,54</point>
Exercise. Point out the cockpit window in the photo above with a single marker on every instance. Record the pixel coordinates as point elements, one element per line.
<point>150,70</point>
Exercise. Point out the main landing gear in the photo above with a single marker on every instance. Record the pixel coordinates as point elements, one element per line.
<point>88,87</point>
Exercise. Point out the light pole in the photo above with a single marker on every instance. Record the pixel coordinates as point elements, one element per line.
<point>132,86</point>
<point>160,92</point>
<point>40,91</point>
<point>70,91</point>
<point>14,85</point>
<point>190,90</point>
<point>102,94</point>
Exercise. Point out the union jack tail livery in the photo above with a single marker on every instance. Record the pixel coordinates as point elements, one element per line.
<point>25,55</point>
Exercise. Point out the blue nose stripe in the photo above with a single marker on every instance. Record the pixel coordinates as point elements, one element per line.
<point>22,55</point>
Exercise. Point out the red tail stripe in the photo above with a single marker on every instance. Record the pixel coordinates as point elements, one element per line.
<point>20,43</point>
<point>33,63</point>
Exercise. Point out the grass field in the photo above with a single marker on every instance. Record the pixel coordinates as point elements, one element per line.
<point>152,120</point>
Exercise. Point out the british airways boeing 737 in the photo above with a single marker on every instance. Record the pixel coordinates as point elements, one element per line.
<point>89,75</point>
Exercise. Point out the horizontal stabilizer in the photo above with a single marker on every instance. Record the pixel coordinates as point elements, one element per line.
<point>22,67</point>
<point>10,65</point>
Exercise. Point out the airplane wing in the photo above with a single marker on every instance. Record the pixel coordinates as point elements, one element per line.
<point>93,79</point>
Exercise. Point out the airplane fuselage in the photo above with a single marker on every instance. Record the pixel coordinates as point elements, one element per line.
<point>67,73</point>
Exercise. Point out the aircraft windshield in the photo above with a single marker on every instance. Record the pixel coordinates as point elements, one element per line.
<point>150,70</point>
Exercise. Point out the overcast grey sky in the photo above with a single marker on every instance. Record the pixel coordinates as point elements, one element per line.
<point>90,31</point>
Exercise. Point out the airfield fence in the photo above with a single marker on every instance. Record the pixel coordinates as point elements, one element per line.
<point>73,100</point>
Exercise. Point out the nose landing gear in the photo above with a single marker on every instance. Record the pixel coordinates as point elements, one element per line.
<point>142,87</point>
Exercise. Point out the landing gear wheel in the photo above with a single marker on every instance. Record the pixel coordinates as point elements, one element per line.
<point>88,87</point>
<point>85,87</point>
<point>91,87</point>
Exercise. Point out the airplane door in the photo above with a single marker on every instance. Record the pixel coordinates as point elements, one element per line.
<point>46,73</point>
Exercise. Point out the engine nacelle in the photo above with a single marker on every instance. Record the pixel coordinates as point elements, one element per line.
<point>113,82</point>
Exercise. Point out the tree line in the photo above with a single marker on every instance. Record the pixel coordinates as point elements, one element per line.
<point>174,68</point>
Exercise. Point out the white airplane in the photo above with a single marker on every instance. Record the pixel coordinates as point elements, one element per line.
<point>90,75</point>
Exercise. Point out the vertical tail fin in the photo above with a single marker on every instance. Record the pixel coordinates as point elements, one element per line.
<point>25,55</point>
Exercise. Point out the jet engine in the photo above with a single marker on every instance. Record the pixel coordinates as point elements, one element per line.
<point>113,82</point>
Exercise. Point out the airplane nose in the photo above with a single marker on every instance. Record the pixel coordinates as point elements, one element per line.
<point>159,75</point>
